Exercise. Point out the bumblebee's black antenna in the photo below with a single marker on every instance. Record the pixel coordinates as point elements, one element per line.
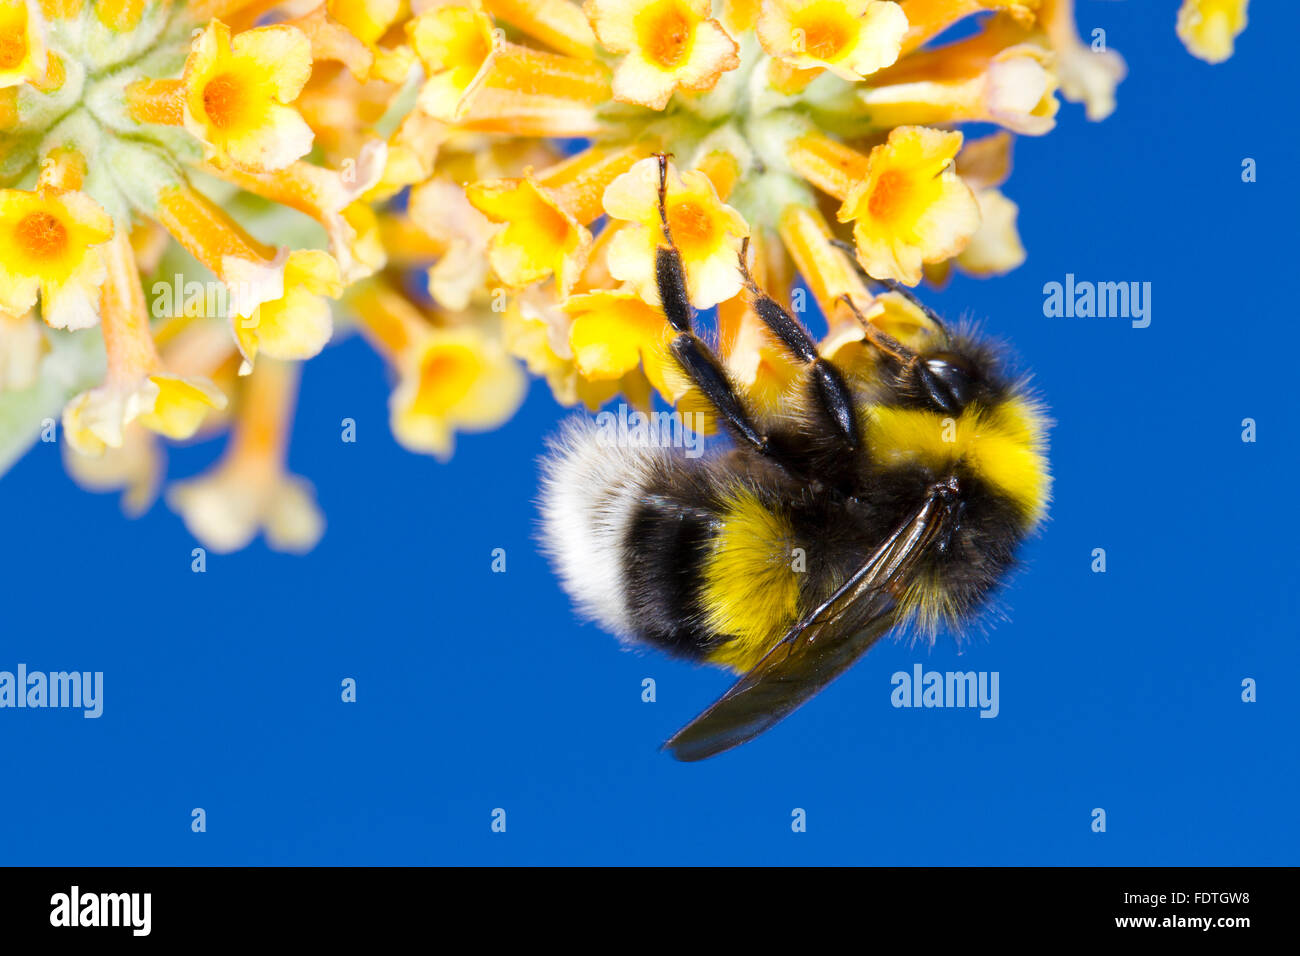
<point>890,284</point>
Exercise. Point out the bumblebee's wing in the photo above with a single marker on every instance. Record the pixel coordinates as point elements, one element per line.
<point>817,649</point>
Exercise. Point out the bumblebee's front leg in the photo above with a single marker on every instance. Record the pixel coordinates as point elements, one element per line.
<point>891,284</point>
<point>692,354</point>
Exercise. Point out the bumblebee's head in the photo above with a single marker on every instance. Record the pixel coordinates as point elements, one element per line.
<point>946,381</point>
<point>950,411</point>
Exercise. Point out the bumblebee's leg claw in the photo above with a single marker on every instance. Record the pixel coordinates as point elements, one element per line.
<point>663,192</point>
<point>890,284</point>
<point>883,342</point>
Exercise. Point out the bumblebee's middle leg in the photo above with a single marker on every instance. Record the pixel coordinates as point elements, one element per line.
<point>829,391</point>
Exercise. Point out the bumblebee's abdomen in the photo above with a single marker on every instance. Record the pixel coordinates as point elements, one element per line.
<point>750,592</point>
<point>667,540</point>
<point>707,572</point>
<point>669,551</point>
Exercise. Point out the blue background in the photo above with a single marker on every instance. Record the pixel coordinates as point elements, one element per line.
<point>479,690</point>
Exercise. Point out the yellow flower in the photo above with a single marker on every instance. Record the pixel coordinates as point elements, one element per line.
<point>121,16</point>
<point>900,317</point>
<point>136,388</point>
<point>201,347</point>
<point>136,468</point>
<point>545,216</point>
<point>454,379</point>
<point>454,42</point>
<point>1000,75</point>
<point>22,45</point>
<point>910,207</point>
<point>249,490</point>
<point>995,248</point>
<point>829,273</point>
<point>360,244</point>
<point>611,331</point>
<point>1209,27</point>
<point>450,378</point>
<point>412,154</point>
<point>667,45</point>
<point>705,230</point>
<point>332,41</point>
<point>537,331</point>
<point>367,20</point>
<point>167,404</point>
<point>538,236</point>
<point>467,60</point>
<point>615,332</point>
<point>1087,76</point>
<point>297,324</point>
<point>441,210</point>
<point>851,38</point>
<point>52,241</point>
<point>237,91</point>
<point>349,31</point>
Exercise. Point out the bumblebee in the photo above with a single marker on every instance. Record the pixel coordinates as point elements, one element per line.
<point>872,503</point>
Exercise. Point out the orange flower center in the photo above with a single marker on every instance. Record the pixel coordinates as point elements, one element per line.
<point>13,45</point>
<point>454,41</point>
<point>666,34</point>
<point>692,227</point>
<point>552,225</point>
<point>823,31</point>
<point>446,377</point>
<point>42,235</point>
<point>890,194</point>
<point>221,100</point>
<point>468,47</point>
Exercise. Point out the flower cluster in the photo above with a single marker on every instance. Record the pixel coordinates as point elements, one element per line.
<point>194,192</point>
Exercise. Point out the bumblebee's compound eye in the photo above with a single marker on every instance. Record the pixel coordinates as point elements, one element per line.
<point>947,379</point>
